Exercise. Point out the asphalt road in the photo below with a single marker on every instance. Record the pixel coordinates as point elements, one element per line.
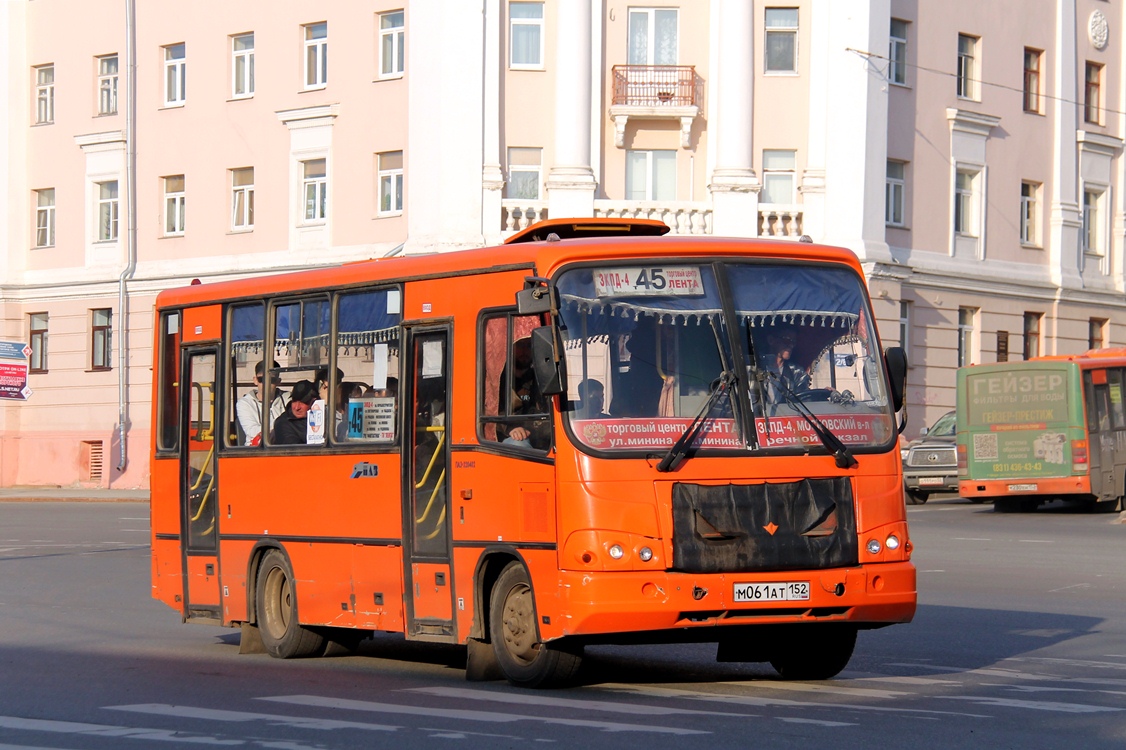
<point>1020,641</point>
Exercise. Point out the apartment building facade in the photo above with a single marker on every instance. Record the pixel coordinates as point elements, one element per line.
<point>971,159</point>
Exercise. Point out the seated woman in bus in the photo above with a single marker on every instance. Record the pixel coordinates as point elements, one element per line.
<point>291,427</point>
<point>523,397</point>
<point>638,392</point>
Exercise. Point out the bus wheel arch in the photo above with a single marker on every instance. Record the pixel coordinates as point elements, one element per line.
<point>276,613</point>
<point>817,653</point>
<point>523,657</point>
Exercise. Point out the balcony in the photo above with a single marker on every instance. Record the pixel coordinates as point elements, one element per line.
<point>656,92</point>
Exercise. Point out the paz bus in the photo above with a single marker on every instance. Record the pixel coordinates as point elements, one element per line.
<point>1044,428</point>
<point>582,436</point>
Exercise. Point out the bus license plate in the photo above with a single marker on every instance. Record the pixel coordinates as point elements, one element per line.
<point>1022,488</point>
<point>790,591</point>
<point>930,480</point>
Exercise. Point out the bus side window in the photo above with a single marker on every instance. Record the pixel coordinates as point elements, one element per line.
<point>1117,413</point>
<point>245,362</point>
<point>168,414</point>
<point>300,348</point>
<point>512,409</point>
<point>366,339</point>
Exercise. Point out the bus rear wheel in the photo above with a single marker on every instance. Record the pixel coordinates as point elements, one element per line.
<point>524,659</point>
<point>276,600</point>
<point>915,497</point>
<point>813,652</point>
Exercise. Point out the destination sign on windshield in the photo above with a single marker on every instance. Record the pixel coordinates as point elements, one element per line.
<point>650,281</point>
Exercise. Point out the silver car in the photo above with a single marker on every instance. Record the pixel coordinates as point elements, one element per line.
<point>930,462</point>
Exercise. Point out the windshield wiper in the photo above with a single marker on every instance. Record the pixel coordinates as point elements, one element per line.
<point>840,451</point>
<point>679,449</point>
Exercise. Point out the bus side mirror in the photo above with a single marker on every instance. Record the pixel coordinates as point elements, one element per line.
<point>535,297</point>
<point>895,359</point>
<point>547,367</point>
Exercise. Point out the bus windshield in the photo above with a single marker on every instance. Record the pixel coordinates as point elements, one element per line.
<point>647,345</point>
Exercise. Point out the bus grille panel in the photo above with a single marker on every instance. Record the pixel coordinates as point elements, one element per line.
<point>738,528</point>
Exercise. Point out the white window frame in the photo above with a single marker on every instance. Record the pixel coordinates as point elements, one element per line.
<point>242,200</point>
<point>780,31</point>
<point>779,175</point>
<point>1092,233</point>
<point>175,75</point>
<point>45,217</point>
<point>1093,92</point>
<point>1029,213</point>
<point>967,74</point>
<point>390,181</point>
<point>897,53</point>
<point>905,327</point>
<point>653,160</point>
<point>315,56</point>
<point>314,192</point>
<point>242,66</point>
<point>107,213</point>
<point>44,94</point>
<point>967,325</point>
<point>107,84</point>
<point>174,205</point>
<point>967,202</point>
<point>1033,85</point>
<point>528,162</point>
<point>392,38</point>
<point>652,44</point>
<point>895,189</point>
<point>526,24</point>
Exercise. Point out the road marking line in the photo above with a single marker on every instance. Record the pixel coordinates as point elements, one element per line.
<point>108,730</point>
<point>215,714</point>
<point>806,687</point>
<point>1072,586</point>
<point>971,539</point>
<point>447,713</point>
<point>1037,541</point>
<point>582,705</point>
<point>1054,706</point>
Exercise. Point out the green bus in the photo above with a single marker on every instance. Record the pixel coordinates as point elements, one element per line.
<point>1043,429</point>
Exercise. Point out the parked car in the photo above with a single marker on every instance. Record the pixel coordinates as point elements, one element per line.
<point>930,462</point>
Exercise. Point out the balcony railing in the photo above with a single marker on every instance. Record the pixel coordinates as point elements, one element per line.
<point>657,86</point>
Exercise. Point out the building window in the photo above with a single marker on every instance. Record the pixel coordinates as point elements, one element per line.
<point>391,182</point>
<point>316,55</point>
<point>778,170</point>
<point>781,40</point>
<point>1092,94</point>
<point>174,205</point>
<point>108,208</point>
<point>1090,231</point>
<point>101,339</point>
<point>45,217</point>
<point>1096,333</point>
<point>897,52</point>
<point>1029,206</point>
<point>653,36</point>
<point>242,199</point>
<point>1002,346</point>
<point>965,203</point>
<point>45,94</point>
<point>107,85</point>
<point>905,327</point>
<point>1031,335</point>
<point>524,174</point>
<point>966,317</point>
<point>37,339</point>
<point>314,187</point>
<point>392,51</point>
<point>893,193</point>
<point>651,175</point>
<point>1032,59</point>
<point>967,67</point>
<point>175,75</point>
<point>525,35</point>
<point>242,66</point>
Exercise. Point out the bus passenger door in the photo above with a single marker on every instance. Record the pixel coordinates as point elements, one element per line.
<point>199,487</point>
<point>426,482</point>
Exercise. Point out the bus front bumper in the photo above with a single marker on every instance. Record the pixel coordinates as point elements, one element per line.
<point>606,603</point>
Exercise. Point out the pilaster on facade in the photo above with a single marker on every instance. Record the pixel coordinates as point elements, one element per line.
<point>733,184</point>
<point>571,183</point>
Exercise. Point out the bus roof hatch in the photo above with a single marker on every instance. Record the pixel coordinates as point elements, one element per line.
<point>567,229</point>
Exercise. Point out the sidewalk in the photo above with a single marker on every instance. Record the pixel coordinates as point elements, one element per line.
<point>71,494</point>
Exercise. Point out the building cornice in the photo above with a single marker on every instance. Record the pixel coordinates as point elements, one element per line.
<point>309,117</point>
<point>971,122</point>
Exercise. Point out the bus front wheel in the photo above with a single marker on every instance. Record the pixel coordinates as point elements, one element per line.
<point>276,599</point>
<point>524,659</point>
<point>812,652</point>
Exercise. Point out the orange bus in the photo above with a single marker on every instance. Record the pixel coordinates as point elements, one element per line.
<point>591,434</point>
<point>1032,431</point>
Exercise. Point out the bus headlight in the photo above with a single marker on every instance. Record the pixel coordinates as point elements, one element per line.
<point>874,546</point>
<point>616,551</point>
<point>645,554</point>
<point>892,542</point>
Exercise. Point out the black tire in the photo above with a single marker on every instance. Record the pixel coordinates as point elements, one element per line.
<point>915,497</point>
<point>814,652</point>
<point>276,602</point>
<point>523,658</point>
<point>977,500</point>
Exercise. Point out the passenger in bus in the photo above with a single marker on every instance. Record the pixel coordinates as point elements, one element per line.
<point>523,397</point>
<point>592,399</point>
<point>347,392</point>
<point>638,392</point>
<point>291,428</point>
<point>248,408</point>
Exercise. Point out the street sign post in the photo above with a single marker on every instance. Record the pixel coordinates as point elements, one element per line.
<point>13,370</point>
